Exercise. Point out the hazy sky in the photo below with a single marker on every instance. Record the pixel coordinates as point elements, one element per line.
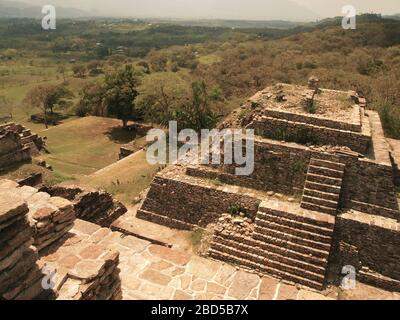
<point>226,9</point>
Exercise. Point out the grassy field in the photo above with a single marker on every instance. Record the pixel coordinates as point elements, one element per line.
<point>20,75</point>
<point>125,179</point>
<point>209,59</point>
<point>85,145</point>
<point>81,147</point>
<point>78,147</point>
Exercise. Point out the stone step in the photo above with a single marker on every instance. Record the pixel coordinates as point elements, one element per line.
<point>163,220</point>
<point>321,195</point>
<point>318,208</point>
<point>301,253</point>
<point>322,187</point>
<point>262,225</point>
<point>310,243</point>
<point>320,202</point>
<point>264,269</point>
<point>378,280</point>
<point>270,258</point>
<point>319,220</point>
<point>375,210</point>
<point>293,241</point>
<point>272,262</point>
<point>266,217</point>
<point>26,133</point>
<point>324,180</point>
<point>327,164</point>
<point>325,172</point>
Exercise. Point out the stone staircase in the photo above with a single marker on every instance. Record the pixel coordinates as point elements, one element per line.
<point>293,247</point>
<point>323,186</point>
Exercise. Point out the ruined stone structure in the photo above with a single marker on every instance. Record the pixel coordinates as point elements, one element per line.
<point>140,130</point>
<point>91,205</point>
<point>17,144</point>
<point>322,195</point>
<point>44,256</point>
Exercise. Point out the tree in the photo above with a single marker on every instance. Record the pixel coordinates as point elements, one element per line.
<point>102,51</point>
<point>160,94</point>
<point>79,71</point>
<point>92,100</point>
<point>95,67</point>
<point>196,114</point>
<point>184,58</point>
<point>145,66</point>
<point>62,69</point>
<point>120,94</point>
<point>158,61</point>
<point>46,97</point>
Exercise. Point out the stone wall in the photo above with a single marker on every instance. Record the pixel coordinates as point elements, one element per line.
<point>367,242</point>
<point>12,150</point>
<point>192,203</point>
<point>89,204</point>
<point>17,144</point>
<point>304,133</point>
<point>282,167</point>
<point>396,171</point>
<point>26,137</point>
<point>32,180</point>
<point>370,183</point>
<point>38,236</point>
<point>20,275</point>
<point>317,121</point>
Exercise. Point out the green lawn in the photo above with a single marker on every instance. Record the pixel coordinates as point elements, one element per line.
<point>85,145</point>
<point>125,179</point>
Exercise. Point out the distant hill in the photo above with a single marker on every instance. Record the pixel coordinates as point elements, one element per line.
<point>252,24</point>
<point>13,9</point>
<point>393,16</point>
<point>189,9</point>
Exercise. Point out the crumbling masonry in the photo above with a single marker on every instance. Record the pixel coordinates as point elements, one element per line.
<point>322,195</point>
<point>44,255</point>
<point>17,144</point>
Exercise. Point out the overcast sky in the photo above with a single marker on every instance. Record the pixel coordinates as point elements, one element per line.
<point>226,9</point>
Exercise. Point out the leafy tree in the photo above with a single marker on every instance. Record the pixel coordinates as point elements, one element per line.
<point>158,61</point>
<point>145,66</point>
<point>184,58</point>
<point>102,51</point>
<point>196,113</point>
<point>95,67</point>
<point>92,100</point>
<point>79,70</point>
<point>120,94</point>
<point>62,70</point>
<point>160,94</point>
<point>46,97</point>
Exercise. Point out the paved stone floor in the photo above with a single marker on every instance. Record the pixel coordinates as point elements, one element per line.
<point>155,233</point>
<point>150,271</point>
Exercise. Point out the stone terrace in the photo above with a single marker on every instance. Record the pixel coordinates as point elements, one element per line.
<point>335,157</point>
<point>336,106</point>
